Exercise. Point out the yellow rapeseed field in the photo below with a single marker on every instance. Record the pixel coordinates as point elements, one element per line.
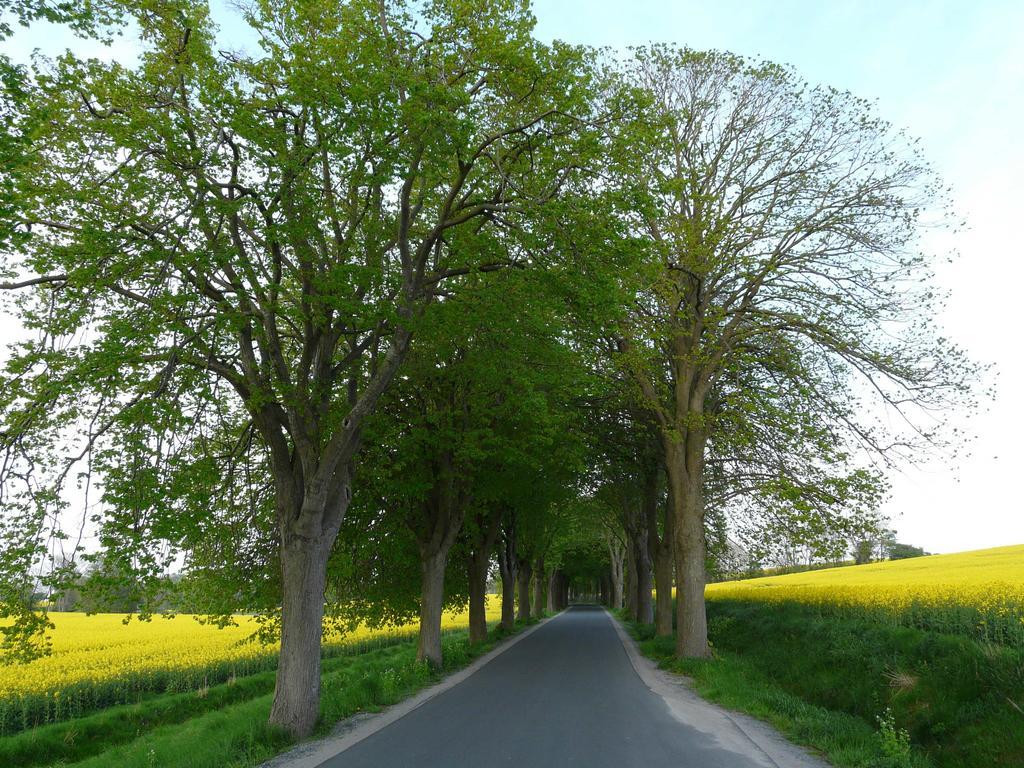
<point>99,660</point>
<point>980,593</point>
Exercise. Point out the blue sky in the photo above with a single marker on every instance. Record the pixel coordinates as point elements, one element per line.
<point>951,73</point>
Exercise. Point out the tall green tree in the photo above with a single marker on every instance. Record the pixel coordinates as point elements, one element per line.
<point>242,244</point>
<point>772,210</point>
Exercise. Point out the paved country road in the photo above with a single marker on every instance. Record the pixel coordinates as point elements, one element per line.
<point>572,693</point>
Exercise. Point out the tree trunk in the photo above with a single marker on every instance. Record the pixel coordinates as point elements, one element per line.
<point>616,586</point>
<point>552,604</point>
<point>617,555</point>
<point>629,590</point>
<point>436,523</point>
<point>663,590</point>
<point>523,582</point>
<point>686,478</point>
<point>662,548</point>
<point>487,527</point>
<point>508,599</point>
<point>432,567</point>
<point>642,540</point>
<point>478,566</point>
<point>692,622</point>
<point>507,564</point>
<point>539,583</point>
<point>644,606</point>
<point>296,706</point>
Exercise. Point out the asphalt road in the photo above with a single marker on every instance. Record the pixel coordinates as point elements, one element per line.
<point>567,695</point>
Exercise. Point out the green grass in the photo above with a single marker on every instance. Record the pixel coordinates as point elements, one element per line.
<point>851,688</point>
<point>227,724</point>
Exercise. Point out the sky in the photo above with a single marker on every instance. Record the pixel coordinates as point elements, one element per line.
<point>950,73</point>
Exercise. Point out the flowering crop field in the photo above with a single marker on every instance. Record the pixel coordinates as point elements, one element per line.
<point>99,661</point>
<point>979,593</point>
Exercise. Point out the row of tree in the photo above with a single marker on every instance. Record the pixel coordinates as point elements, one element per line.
<point>335,325</point>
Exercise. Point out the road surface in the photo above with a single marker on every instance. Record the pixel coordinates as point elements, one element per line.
<point>570,694</point>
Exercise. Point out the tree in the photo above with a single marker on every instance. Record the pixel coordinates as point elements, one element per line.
<point>477,411</point>
<point>627,490</point>
<point>508,564</point>
<point>773,214</point>
<point>484,529</point>
<point>900,551</point>
<point>91,18</point>
<point>245,244</point>
<point>617,561</point>
<point>626,474</point>
<point>23,637</point>
<point>863,551</point>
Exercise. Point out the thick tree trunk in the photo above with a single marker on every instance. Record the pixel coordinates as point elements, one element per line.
<point>523,583</point>
<point>692,622</point>
<point>436,523</point>
<point>552,604</point>
<point>540,581</point>
<point>507,563</point>
<point>486,529</point>
<point>508,599</point>
<point>310,504</point>
<point>478,566</point>
<point>296,706</point>
<point>662,552</point>
<point>686,478</point>
<point>642,540</point>
<point>663,590</point>
<point>432,568</point>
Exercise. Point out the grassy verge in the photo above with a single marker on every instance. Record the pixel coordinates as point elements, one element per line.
<point>866,696</point>
<point>225,725</point>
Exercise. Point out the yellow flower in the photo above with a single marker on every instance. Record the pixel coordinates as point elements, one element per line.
<point>977,593</point>
<point>99,660</point>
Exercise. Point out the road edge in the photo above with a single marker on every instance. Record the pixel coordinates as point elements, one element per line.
<point>313,753</point>
<point>781,752</point>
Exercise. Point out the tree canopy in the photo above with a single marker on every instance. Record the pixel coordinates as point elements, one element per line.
<point>327,329</point>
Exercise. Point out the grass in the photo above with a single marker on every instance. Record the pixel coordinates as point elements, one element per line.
<point>865,695</point>
<point>226,724</point>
